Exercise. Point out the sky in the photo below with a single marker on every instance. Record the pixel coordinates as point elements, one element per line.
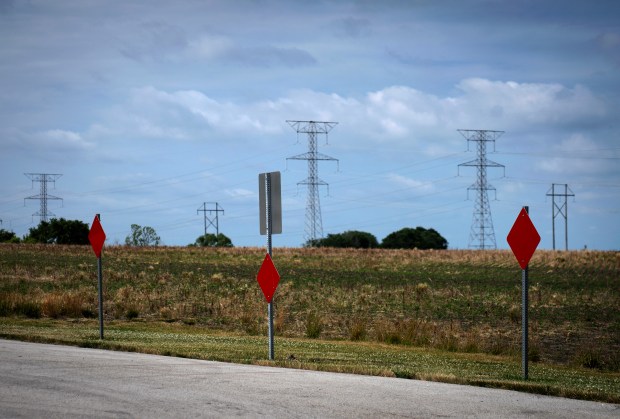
<point>148,109</point>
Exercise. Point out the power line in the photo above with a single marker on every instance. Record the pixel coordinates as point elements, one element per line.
<point>482,234</point>
<point>43,197</point>
<point>314,222</point>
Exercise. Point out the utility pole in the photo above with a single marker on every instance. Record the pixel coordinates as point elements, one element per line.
<point>560,209</point>
<point>212,221</point>
<point>314,222</point>
<point>43,197</point>
<point>482,234</point>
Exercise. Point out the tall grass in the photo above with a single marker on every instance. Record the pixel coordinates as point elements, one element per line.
<point>457,300</point>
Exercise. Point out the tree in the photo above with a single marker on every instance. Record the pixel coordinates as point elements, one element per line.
<point>414,238</point>
<point>354,239</point>
<point>59,231</point>
<point>8,236</point>
<point>142,236</point>
<point>212,240</point>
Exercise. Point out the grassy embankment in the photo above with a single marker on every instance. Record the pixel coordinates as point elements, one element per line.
<point>444,315</point>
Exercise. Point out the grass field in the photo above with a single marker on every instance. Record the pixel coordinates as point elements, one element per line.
<point>453,304</point>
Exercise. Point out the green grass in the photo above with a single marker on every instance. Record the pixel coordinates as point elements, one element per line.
<point>459,303</point>
<point>175,339</point>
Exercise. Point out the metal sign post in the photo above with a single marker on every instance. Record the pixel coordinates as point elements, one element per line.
<point>270,204</point>
<point>523,240</point>
<point>268,225</point>
<point>100,287</point>
<point>524,321</point>
<point>96,236</point>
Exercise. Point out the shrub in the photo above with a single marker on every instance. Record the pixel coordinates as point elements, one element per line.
<point>350,239</point>
<point>418,238</point>
<point>59,231</point>
<point>212,240</point>
<point>8,236</point>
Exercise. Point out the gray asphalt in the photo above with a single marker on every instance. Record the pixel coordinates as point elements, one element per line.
<point>38,380</point>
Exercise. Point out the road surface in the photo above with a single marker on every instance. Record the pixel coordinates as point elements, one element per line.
<point>38,380</point>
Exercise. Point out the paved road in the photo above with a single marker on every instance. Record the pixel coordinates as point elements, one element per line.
<point>39,380</point>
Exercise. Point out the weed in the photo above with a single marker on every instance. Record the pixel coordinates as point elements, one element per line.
<point>314,326</point>
<point>357,330</point>
<point>132,313</point>
<point>88,313</point>
<point>28,308</point>
<point>421,290</point>
<point>589,358</point>
<point>58,305</point>
<point>457,299</point>
<point>6,308</point>
<point>514,313</point>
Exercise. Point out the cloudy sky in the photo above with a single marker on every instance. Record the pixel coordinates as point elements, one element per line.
<point>150,108</point>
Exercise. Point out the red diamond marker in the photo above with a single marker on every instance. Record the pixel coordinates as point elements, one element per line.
<point>523,238</point>
<point>96,237</point>
<point>268,278</point>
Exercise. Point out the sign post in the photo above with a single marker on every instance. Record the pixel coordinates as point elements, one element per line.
<point>523,240</point>
<point>96,236</point>
<point>270,204</point>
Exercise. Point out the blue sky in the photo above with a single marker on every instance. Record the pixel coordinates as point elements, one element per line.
<point>149,109</point>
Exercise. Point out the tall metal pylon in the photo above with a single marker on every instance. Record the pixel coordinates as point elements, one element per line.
<point>314,222</point>
<point>211,221</point>
<point>43,197</point>
<point>482,234</point>
<point>560,209</point>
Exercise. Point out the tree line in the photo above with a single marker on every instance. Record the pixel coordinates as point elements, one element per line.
<point>61,231</point>
<point>406,238</point>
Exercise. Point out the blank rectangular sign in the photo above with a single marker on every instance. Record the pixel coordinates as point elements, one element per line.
<point>275,201</point>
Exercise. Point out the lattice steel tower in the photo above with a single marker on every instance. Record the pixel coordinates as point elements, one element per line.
<point>43,197</point>
<point>314,222</point>
<point>482,235</point>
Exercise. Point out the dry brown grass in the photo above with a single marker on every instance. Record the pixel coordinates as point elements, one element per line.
<point>457,300</point>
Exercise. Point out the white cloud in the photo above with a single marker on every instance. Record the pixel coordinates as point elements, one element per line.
<point>209,46</point>
<point>519,106</point>
<point>397,115</point>
<point>50,141</point>
<point>578,154</point>
<point>215,47</point>
<point>65,140</point>
<point>241,194</point>
<point>417,185</point>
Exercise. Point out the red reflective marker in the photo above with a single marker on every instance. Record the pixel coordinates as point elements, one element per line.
<point>523,238</point>
<point>96,237</point>
<point>268,278</point>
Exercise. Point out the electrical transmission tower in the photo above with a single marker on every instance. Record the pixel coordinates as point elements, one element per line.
<point>314,223</point>
<point>43,197</point>
<point>560,209</point>
<point>482,235</point>
<point>210,220</point>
